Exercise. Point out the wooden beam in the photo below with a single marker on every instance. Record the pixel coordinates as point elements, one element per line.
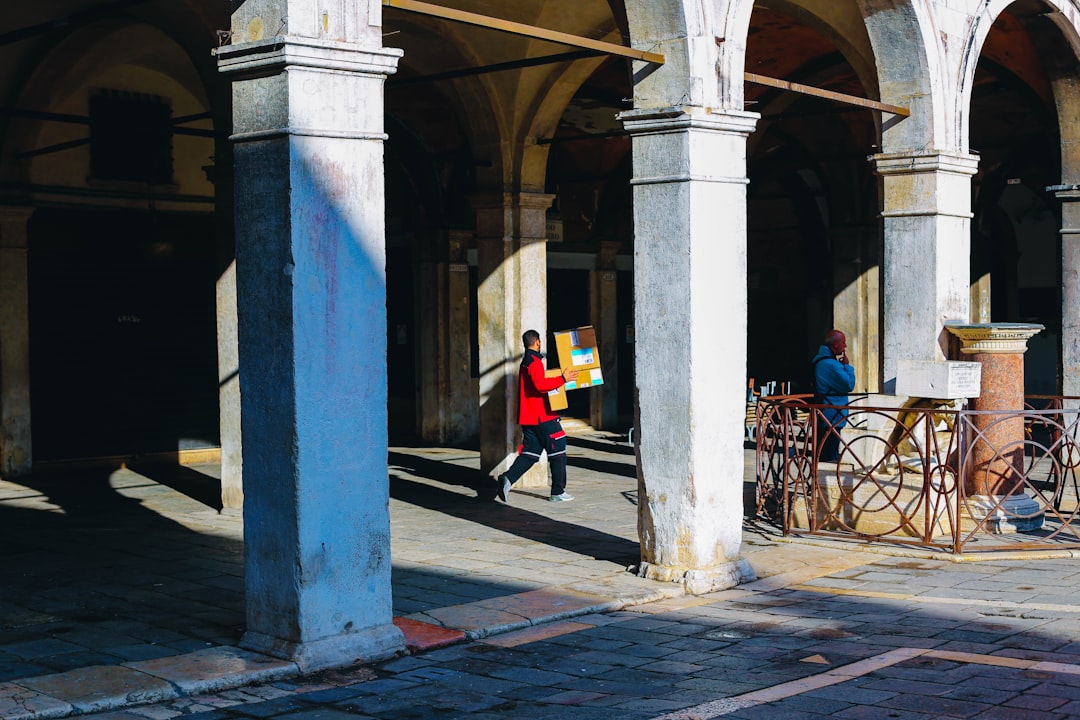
<point>79,17</point>
<point>516,28</point>
<point>827,94</point>
<point>397,82</point>
<point>52,148</point>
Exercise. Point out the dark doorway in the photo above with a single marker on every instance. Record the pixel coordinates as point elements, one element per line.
<point>123,348</point>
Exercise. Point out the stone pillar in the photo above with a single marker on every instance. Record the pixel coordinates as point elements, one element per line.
<point>690,327</point>
<point>447,398</point>
<point>16,457</point>
<point>229,427</point>
<point>311,293</point>
<point>980,299</point>
<point>1070,291</point>
<point>603,311</point>
<point>232,462</point>
<point>994,482</point>
<point>856,303</point>
<point>511,241</point>
<point>927,264</point>
<point>220,173</point>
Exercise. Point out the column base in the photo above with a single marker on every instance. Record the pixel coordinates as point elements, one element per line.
<point>371,645</point>
<point>1016,513</point>
<point>699,582</point>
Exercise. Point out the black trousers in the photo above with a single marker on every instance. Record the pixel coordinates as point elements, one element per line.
<point>828,436</point>
<point>546,437</point>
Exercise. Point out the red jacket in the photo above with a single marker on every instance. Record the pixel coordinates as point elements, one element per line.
<point>533,387</point>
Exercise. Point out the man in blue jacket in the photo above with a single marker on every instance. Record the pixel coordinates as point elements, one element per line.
<point>834,378</point>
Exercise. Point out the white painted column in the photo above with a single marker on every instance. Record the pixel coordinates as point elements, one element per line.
<point>511,240</point>
<point>1070,290</point>
<point>16,457</point>
<point>311,295</point>
<point>927,253</point>
<point>690,332</point>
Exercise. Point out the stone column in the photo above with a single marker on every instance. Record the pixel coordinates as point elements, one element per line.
<point>229,428</point>
<point>447,397</point>
<point>232,461</point>
<point>511,241</point>
<point>311,293</point>
<point>16,457</point>
<point>994,482</point>
<point>927,264</point>
<point>603,302</point>
<point>1070,291</point>
<point>690,327</point>
<point>856,304</point>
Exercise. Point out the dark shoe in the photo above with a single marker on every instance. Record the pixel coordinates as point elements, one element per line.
<point>504,489</point>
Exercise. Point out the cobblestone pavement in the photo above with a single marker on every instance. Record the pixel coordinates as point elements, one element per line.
<point>885,638</point>
<point>123,598</point>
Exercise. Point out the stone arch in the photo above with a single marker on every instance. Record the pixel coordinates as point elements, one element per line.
<point>545,113</point>
<point>101,47</point>
<point>1063,44</point>
<point>904,44</point>
<point>475,100</point>
<point>679,30</point>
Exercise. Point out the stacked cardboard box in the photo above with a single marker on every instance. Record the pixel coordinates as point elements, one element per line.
<point>576,349</point>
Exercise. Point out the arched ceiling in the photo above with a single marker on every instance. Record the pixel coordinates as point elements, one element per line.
<point>817,42</point>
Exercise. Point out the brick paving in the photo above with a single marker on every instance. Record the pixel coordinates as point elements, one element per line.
<point>545,622</point>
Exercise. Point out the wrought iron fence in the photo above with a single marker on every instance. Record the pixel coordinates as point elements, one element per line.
<point>925,473</point>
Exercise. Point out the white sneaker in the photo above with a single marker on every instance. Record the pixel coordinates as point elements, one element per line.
<point>564,497</point>
<point>503,488</point>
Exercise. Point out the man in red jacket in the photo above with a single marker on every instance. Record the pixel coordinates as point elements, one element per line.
<point>540,427</point>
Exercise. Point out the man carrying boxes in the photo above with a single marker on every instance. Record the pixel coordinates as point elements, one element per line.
<point>541,429</point>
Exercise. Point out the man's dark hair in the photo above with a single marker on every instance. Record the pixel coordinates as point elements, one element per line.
<point>529,337</point>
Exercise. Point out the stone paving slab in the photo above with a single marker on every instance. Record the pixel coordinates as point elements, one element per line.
<point>215,669</point>
<point>21,703</point>
<point>539,632</point>
<point>101,687</point>
<point>547,603</point>
<point>422,636</point>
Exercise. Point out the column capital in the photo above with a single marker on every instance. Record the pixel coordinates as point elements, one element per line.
<point>1065,193</point>
<point>16,213</point>
<point>903,163</point>
<point>511,217</point>
<point>689,145</point>
<point>994,338</point>
<point>677,119</point>
<point>13,219</point>
<point>458,242</point>
<point>507,200</point>
<point>607,257</point>
<point>302,87</point>
<point>272,55</point>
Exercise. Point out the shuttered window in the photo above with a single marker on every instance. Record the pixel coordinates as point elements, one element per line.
<point>131,137</point>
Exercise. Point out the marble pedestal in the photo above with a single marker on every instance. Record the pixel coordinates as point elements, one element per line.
<point>994,477</point>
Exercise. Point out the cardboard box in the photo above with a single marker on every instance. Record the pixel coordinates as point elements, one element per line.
<point>577,349</point>
<point>556,397</point>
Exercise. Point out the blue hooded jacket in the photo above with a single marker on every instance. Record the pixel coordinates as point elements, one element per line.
<point>833,381</point>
